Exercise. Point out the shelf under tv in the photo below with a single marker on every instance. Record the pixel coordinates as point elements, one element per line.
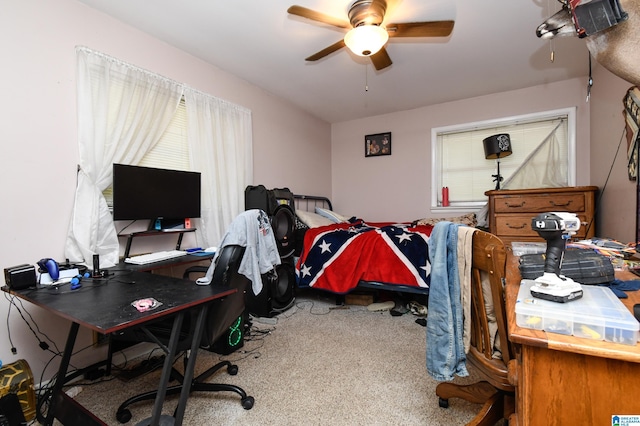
<point>153,232</point>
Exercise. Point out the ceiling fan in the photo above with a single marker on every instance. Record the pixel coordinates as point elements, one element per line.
<point>368,33</point>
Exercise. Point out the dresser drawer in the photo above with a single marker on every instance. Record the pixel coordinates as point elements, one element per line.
<point>570,202</point>
<point>519,225</point>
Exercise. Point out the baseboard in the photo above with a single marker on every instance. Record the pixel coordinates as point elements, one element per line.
<point>132,352</point>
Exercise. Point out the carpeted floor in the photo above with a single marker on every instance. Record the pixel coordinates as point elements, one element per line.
<point>317,366</point>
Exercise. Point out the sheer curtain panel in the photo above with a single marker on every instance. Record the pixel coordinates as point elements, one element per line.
<point>122,112</point>
<point>221,148</point>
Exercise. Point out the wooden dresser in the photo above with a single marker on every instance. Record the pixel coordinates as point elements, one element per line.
<point>511,211</point>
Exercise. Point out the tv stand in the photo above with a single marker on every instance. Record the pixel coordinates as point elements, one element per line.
<point>150,233</point>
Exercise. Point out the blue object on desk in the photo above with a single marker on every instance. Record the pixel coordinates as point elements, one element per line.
<point>619,287</point>
<point>203,253</point>
<point>193,250</point>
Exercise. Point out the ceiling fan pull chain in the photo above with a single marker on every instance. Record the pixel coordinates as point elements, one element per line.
<point>590,81</point>
<point>366,78</point>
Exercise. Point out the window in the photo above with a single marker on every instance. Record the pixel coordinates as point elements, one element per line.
<point>171,151</point>
<point>458,159</point>
<point>122,112</point>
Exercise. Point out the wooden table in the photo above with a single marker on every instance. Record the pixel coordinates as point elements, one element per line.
<point>566,380</point>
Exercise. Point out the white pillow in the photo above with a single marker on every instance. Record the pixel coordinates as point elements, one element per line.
<point>331,215</point>
<point>312,220</point>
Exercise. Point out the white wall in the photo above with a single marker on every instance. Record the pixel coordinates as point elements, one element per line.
<point>39,143</point>
<point>397,187</point>
<point>617,208</point>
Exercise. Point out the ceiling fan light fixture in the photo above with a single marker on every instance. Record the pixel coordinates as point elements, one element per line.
<point>366,40</point>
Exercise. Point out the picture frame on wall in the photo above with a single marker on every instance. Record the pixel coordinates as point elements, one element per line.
<point>377,144</point>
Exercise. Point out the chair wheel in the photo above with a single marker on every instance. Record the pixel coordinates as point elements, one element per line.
<point>444,403</point>
<point>247,403</point>
<point>232,369</point>
<point>123,416</point>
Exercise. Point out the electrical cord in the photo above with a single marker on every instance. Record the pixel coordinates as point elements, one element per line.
<point>41,343</point>
<point>13,348</point>
<point>128,225</point>
<point>44,393</point>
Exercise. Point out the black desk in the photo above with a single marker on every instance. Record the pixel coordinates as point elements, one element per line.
<point>105,306</point>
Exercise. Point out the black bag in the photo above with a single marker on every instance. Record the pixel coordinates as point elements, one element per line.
<point>582,265</point>
<point>258,197</point>
<point>284,196</point>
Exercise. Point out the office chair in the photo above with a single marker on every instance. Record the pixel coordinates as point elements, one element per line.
<point>222,314</point>
<point>488,313</point>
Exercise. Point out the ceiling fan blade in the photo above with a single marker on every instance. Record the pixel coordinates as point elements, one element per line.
<point>421,29</point>
<point>326,51</point>
<point>381,59</point>
<point>317,16</point>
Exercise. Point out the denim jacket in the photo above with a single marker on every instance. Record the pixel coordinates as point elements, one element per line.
<point>445,346</point>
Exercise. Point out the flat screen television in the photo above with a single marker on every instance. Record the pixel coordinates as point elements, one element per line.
<point>165,197</point>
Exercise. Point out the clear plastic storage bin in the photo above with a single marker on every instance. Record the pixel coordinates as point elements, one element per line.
<point>598,315</point>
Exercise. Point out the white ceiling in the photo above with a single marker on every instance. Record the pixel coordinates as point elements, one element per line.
<point>493,48</point>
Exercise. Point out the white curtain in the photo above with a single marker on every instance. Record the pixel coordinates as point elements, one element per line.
<point>221,148</point>
<point>543,168</point>
<point>122,112</point>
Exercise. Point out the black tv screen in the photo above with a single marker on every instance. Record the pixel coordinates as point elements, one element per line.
<point>150,193</point>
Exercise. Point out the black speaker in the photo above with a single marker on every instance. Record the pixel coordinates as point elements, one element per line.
<point>278,204</point>
<point>283,222</point>
<point>232,339</point>
<point>277,293</point>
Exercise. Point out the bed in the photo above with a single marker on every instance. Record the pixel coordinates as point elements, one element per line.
<point>339,254</point>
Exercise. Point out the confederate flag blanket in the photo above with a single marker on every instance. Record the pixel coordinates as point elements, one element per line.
<point>336,257</point>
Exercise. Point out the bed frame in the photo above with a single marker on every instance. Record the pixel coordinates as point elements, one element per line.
<point>310,202</point>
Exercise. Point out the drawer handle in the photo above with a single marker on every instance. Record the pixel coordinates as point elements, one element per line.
<point>554,204</point>
<point>517,227</point>
<point>506,203</point>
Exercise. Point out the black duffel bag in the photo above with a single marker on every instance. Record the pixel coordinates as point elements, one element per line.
<point>584,266</point>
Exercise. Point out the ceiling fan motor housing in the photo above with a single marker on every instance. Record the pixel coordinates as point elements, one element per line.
<point>367,12</point>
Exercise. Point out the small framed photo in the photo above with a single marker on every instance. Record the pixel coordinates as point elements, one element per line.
<point>377,145</point>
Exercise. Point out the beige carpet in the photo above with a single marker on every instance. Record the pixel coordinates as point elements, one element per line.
<point>316,366</point>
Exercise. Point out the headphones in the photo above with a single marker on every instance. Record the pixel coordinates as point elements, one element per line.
<point>75,281</point>
<point>51,266</point>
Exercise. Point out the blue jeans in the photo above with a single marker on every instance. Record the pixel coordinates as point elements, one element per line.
<point>445,346</point>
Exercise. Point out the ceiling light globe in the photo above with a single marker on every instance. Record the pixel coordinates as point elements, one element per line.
<point>366,40</point>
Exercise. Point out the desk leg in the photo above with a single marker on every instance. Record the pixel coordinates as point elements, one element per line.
<point>191,363</point>
<point>62,372</point>
<point>166,370</point>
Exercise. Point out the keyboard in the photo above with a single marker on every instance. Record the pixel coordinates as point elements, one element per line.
<point>158,256</point>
